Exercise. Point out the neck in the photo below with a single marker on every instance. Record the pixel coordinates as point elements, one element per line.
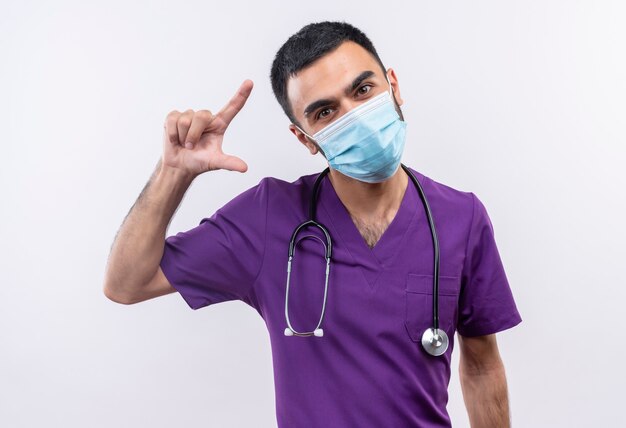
<point>370,200</point>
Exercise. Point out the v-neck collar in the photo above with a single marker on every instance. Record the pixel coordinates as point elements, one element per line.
<point>382,256</point>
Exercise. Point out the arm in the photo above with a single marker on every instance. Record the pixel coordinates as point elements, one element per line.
<point>192,145</point>
<point>138,245</point>
<point>483,382</point>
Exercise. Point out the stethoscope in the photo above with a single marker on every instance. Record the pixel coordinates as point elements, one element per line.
<point>434,340</point>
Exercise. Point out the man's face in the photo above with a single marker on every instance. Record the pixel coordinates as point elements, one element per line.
<point>333,85</point>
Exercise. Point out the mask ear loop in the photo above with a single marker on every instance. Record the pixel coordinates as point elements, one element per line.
<point>390,87</point>
<point>391,91</point>
<point>312,139</point>
<point>301,130</point>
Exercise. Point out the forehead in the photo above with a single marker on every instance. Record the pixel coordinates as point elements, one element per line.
<point>328,75</point>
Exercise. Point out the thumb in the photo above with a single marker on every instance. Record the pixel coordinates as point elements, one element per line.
<point>232,163</point>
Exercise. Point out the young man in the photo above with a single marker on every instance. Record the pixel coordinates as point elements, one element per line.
<point>365,365</point>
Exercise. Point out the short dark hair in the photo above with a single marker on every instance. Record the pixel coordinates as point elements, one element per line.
<point>310,43</point>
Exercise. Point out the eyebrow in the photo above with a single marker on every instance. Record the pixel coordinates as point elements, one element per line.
<point>348,90</point>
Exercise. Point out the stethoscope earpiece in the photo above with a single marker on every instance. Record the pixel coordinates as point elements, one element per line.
<point>434,340</point>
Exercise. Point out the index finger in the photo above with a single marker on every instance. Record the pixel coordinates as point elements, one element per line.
<point>236,103</point>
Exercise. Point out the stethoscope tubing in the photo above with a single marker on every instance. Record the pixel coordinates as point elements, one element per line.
<point>433,233</point>
<point>434,340</point>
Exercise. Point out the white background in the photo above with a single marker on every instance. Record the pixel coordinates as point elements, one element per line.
<point>522,103</point>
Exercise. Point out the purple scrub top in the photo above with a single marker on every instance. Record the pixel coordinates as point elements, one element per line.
<point>369,368</point>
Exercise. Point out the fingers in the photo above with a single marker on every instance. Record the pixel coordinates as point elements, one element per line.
<point>232,163</point>
<point>171,127</point>
<point>186,128</point>
<point>236,103</point>
<point>177,125</point>
<point>183,124</point>
<point>200,122</point>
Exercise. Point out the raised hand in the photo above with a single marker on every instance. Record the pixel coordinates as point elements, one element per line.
<point>192,141</point>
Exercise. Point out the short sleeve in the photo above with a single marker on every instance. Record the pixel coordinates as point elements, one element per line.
<point>219,259</point>
<point>486,303</point>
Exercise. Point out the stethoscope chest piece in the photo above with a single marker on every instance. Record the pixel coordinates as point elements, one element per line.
<point>435,343</point>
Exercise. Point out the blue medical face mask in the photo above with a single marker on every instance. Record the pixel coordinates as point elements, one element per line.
<point>367,142</point>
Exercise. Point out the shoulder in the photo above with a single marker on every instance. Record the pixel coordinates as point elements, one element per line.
<point>274,192</point>
<point>454,206</point>
<point>283,193</point>
<point>450,199</point>
<point>280,186</point>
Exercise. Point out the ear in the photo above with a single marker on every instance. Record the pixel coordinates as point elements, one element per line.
<point>303,139</point>
<point>393,79</point>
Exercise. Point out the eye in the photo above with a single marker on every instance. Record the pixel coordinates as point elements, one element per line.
<point>361,90</point>
<point>323,113</point>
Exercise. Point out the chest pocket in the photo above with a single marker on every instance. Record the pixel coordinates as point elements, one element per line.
<point>419,304</point>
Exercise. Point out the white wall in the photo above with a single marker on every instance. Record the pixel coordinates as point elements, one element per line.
<point>519,102</point>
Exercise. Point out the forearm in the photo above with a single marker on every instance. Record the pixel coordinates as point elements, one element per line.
<point>485,395</point>
<point>138,246</point>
